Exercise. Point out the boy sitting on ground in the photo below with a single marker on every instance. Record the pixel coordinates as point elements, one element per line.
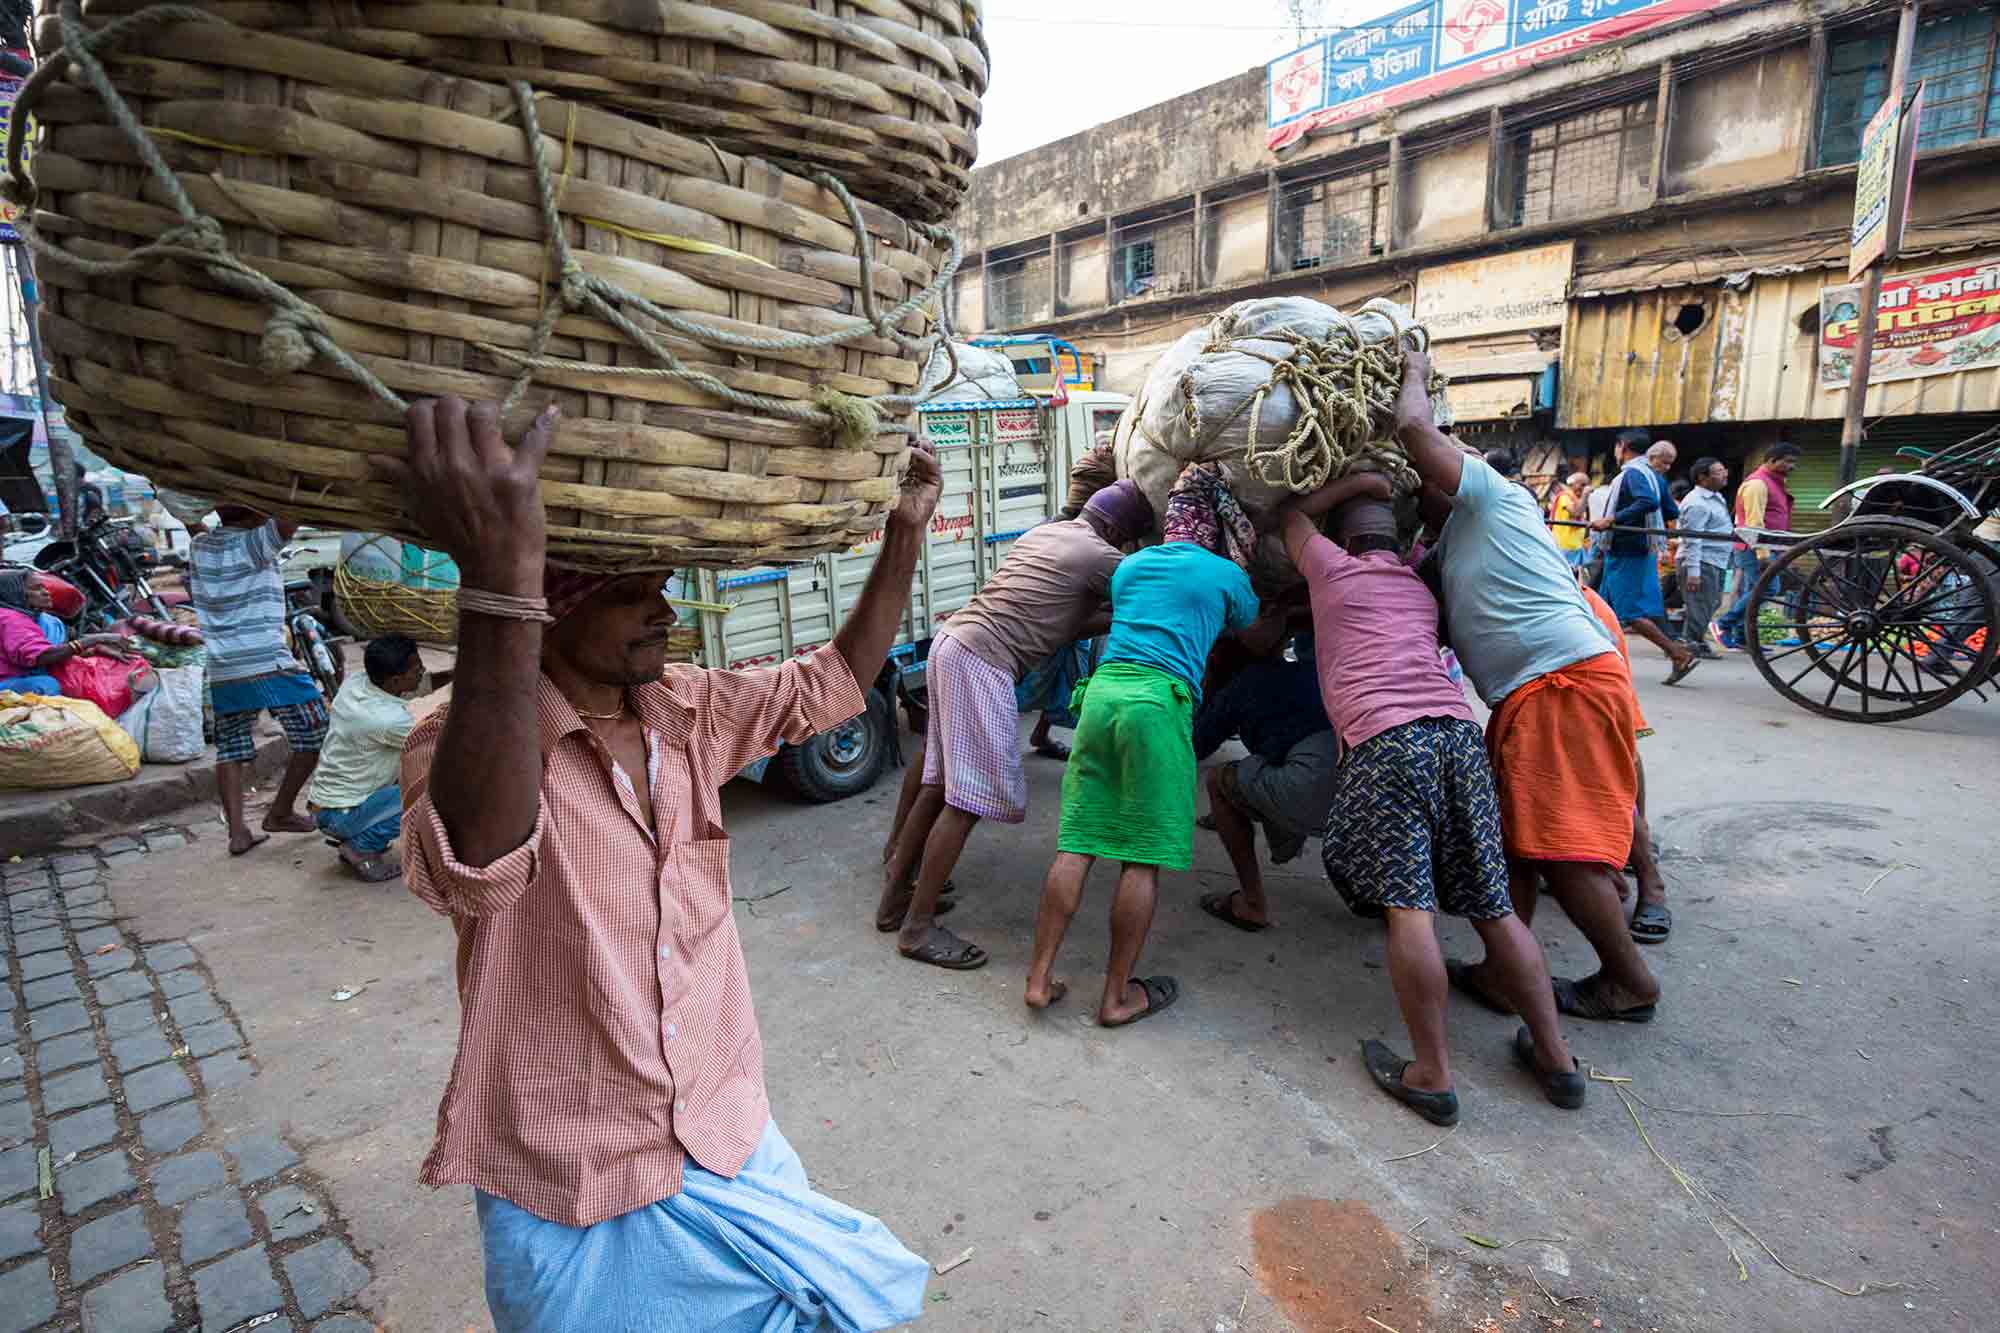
<point>1415,824</point>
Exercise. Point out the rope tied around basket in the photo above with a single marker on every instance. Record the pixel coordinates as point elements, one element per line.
<point>1343,386</point>
<point>297,331</point>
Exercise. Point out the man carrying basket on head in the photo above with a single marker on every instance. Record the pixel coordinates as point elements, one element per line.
<point>608,1102</point>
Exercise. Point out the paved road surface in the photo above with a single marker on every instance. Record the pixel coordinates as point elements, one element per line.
<point>1226,1167</point>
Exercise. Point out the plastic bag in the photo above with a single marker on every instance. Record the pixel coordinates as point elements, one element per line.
<point>109,683</point>
<point>47,741</point>
<point>166,722</point>
<point>984,375</point>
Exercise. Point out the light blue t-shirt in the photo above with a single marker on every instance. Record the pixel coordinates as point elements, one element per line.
<point>1510,597</point>
<point>1168,604</point>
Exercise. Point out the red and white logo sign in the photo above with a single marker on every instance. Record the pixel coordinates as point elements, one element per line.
<point>1471,28</point>
<point>1298,83</point>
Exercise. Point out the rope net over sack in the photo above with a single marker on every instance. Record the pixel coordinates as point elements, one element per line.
<point>256,247</point>
<point>1286,394</point>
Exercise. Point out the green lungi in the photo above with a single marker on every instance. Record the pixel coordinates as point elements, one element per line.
<point>1128,791</point>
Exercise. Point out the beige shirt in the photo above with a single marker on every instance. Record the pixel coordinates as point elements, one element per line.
<point>1056,577</point>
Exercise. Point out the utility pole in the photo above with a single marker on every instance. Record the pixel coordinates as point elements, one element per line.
<point>1852,431</point>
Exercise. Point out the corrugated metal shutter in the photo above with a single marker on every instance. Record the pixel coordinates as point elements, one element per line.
<point>1818,473</point>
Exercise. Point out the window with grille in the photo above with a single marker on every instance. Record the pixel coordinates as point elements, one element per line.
<point>1154,257</point>
<point>1954,57</point>
<point>1333,221</point>
<point>1596,162</point>
<point>1018,291</point>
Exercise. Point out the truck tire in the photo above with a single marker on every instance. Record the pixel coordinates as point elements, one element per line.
<point>843,761</point>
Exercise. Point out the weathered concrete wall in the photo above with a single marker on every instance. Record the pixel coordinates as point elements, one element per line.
<point>969,298</point>
<point>1082,274</point>
<point>1443,195</point>
<point>1177,147</point>
<point>1743,124</point>
<point>1238,245</point>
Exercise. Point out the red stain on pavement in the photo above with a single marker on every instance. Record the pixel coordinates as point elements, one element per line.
<point>1334,1265</point>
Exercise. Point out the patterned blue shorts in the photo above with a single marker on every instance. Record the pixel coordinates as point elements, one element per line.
<point>1415,823</point>
<point>304,723</point>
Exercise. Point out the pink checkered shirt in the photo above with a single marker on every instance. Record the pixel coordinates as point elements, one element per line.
<point>606,1030</point>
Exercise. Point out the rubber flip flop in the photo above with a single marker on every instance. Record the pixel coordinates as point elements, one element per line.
<point>1161,992</point>
<point>1052,750</point>
<point>1579,1000</point>
<point>1683,671</point>
<point>957,956</point>
<point>1652,923</point>
<point>1464,981</point>
<point>1217,906</point>
<point>1564,1090</point>
<point>1206,822</point>
<point>253,845</point>
<point>1386,1068</point>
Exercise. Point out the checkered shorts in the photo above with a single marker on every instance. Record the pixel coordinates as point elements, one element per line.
<point>304,724</point>
<point>1415,823</point>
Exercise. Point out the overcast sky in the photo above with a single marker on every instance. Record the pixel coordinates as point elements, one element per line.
<point>1060,66</point>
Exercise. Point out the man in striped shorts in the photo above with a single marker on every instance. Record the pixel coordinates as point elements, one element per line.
<point>239,597</point>
<point>1045,595</point>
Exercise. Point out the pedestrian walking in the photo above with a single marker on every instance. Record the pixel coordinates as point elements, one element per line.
<point>238,591</point>
<point>1704,564</point>
<point>1632,562</point>
<point>1762,504</point>
<point>608,1103</point>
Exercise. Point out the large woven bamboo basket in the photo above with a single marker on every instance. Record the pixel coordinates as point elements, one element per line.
<point>885,93</point>
<point>730,394</point>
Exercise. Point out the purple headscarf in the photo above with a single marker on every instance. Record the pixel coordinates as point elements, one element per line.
<point>1202,509</point>
<point>1123,505</point>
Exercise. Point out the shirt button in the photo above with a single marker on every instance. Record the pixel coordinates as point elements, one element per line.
<point>666,952</point>
<point>680,1108</point>
<point>672,1031</point>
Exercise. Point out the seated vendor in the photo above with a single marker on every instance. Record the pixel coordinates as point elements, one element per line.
<point>355,795</point>
<point>34,644</point>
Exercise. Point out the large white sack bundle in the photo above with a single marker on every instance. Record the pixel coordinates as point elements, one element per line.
<point>984,375</point>
<point>1248,377</point>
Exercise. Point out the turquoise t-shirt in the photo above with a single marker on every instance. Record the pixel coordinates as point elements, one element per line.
<point>1168,604</point>
<point>1510,596</point>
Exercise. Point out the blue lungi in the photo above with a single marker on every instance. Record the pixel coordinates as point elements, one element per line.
<point>1632,587</point>
<point>760,1253</point>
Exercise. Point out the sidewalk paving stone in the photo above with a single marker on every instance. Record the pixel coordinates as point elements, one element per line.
<point>67,1052</point>
<point>194,1007</point>
<point>181,1178</point>
<point>168,955</point>
<point>18,1225</point>
<point>259,1156</point>
<point>169,1130</point>
<point>121,987</point>
<point>139,1050</point>
<point>47,963</point>
<point>58,1019</point>
<point>220,1072</point>
<point>208,1038</point>
<point>104,964</point>
<point>83,1131</point>
<point>17,1167</point>
<point>213,1225</point>
<point>184,982</point>
<point>51,989</point>
<point>134,1302</point>
<point>107,1244</point>
<point>324,1275</point>
<point>290,1212</point>
<point>79,1087</point>
<point>90,941</point>
<point>239,1288</point>
<point>132,1016</point>
<point>85,1184</point>
<point>27,1297</point>
<point>156,1087</point>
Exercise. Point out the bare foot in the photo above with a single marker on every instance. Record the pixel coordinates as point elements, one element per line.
<point>1043,997</point>
<point>240,843</point>
<point>291,823</point>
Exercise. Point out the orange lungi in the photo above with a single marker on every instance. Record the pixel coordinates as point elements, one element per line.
<point>1566,764</point>
<point>1610,621</point>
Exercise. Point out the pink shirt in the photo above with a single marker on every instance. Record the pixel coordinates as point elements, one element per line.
<point>1375,636</point>
<point>22,643</point>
